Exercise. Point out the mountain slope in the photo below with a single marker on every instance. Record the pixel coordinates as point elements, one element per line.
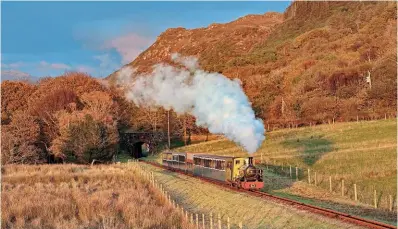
<point>309,65</point>
<point>217,43</point>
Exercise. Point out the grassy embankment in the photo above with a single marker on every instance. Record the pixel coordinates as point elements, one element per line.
<point>363,153</point>
<point>74,196</point>
<point>203,198</point>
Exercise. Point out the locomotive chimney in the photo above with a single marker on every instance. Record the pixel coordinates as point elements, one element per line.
<point>250,160</point>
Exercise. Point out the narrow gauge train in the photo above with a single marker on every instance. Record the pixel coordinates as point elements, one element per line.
<point>237,171</point>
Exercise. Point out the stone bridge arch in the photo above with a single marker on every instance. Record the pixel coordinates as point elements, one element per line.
<point>132,142</point>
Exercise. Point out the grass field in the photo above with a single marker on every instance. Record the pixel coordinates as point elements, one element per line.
<point>72,196</point>
<point>364,153</point>
<point>199,197</point>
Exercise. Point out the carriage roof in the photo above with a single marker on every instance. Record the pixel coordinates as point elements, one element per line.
<point>175,153</point>
<point>203,156</point>
<point>209,156</point>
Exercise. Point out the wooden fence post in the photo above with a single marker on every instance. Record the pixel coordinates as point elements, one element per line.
<point>290,171</point>
<point>219,221</point>
<point>211,220</point>
<point>355,192</point>
<point>197,221</point>
<point>309,177</point>
<point>203,221</point>
<point>315,178</point>
<point>390,206</point>
<point>330,183</point>
<point>342,187</point>
<point>191,218</point>
<point>240,225</point>
<point>297,178</point>
<point>186,214</point>
<point>228,225</point>
<point>375,198</point>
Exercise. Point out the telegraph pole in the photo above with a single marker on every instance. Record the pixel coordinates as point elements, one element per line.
<point>168,127</point>
<point>369,80</point>
<point>185,129</point>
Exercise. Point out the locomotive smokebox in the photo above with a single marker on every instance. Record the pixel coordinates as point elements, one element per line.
<point>250,160</point>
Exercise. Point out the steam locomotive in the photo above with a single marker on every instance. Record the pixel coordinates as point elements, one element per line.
<point>239,172</point>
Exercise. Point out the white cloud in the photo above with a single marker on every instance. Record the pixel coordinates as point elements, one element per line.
<point>13,65</point>
<point>85,69</point>
<point>129,46</point>
<point>45,64</point>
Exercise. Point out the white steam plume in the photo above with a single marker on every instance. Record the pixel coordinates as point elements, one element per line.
<point>217,102</point>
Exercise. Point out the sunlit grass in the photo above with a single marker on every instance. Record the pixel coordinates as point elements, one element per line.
<point>203,198</point>
<point>72,196</point>
<point>364,153</point>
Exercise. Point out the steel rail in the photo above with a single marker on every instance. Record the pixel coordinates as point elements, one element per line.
<point>302,206</point>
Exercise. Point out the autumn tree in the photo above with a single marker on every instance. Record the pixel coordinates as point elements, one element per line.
<point>86,139</point>
<point>90,133</point>
<point>45,108</point>
<point>19,141</point>
<point>14,97</point>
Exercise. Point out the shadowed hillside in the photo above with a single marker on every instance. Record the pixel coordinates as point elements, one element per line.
<point>311,64</point>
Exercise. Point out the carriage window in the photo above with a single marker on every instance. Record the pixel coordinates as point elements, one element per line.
<point>212,164</point>
<point>229,165</point>
<point>207,163</point>
<point>220,165</point>
<point>237,162</point>
<point>196,161</point>
<point>181,158</point>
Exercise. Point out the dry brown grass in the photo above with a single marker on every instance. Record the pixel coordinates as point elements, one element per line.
<point>72,196</point>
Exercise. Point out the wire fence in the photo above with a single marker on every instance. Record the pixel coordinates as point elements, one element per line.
<point>368,195</point>
<point>191,219</point>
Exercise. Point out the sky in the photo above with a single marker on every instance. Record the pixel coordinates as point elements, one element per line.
<point>48,38</point>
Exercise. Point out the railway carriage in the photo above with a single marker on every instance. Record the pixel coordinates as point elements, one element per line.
<point>175,160</point>
<point>237,171</point>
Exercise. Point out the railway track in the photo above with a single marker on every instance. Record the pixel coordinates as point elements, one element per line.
<point>314,209</point>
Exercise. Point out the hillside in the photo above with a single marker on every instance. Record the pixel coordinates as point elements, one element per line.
<point>308,65</point>
<point>364,153</point>
<point>17,76</point>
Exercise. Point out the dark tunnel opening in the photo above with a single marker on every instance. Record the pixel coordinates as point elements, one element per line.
<point>140,149</point>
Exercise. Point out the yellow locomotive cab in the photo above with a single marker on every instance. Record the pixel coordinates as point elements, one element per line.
<point>237,164</point>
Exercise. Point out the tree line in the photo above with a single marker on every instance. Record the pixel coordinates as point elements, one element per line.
<point>74,118</point>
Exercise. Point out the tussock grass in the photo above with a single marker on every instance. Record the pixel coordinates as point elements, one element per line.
<point>74,196</point>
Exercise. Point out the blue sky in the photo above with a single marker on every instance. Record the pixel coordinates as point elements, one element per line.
<point>48,38</point>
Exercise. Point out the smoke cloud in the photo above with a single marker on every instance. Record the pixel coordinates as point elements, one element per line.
<point>217,102</point>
